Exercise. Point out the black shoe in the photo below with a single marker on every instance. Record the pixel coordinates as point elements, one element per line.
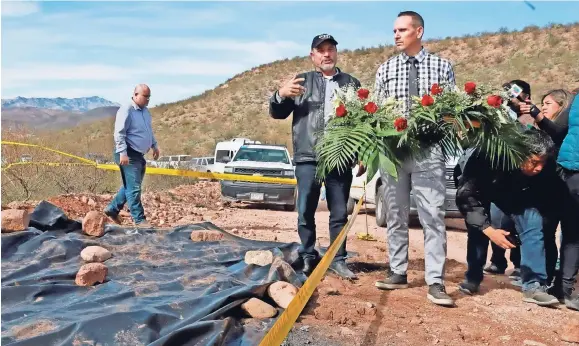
<point>571,300</point>
<point>468,287</point>
<point>310,263</point>
<point>540,297</point>
<point>516,274</point>
<point>556,291</point>
<point>341,268</point>
<point>494,269</point>
<point>437,295</point>
<point>393,281</point>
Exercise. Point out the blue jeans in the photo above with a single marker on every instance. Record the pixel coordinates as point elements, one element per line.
<point>132,176</point>
<point>529,226</point>
<point>337,188</point>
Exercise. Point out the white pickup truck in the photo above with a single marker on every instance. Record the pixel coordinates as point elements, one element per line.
<point>261,160</point>
<point>375,194</point>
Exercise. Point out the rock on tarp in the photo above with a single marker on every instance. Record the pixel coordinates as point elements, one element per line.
<point>161,288</point>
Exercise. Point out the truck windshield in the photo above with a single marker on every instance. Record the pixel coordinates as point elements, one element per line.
<point>262,155</point>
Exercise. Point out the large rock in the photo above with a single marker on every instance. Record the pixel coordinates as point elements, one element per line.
<point>198,236</point>
<point>258,309</point>
<point>570,332</point>
<point>94,223</point>
<point>91,273</point>
<point>95,254</point>
<point>259,257</point>
<point>282,293</point>
<point>280,270</point>
<point>15,220</point>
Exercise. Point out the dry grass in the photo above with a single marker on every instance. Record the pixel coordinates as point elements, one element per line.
<point>37,181</point>
<point>546,57</point>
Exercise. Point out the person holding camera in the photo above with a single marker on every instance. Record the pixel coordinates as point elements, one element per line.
<point>554,119</point>
<point>491,198</point>
<point>521,91</point>
<point>553,116</point>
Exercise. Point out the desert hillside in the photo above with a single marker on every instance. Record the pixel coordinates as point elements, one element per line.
<point>546,57</point>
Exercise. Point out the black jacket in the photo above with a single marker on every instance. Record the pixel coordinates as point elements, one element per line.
<point>511,191</point>
<point>308,112</point>
<point>557,129</point>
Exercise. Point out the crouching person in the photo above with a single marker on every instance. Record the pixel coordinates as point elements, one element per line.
<point>492,198</point>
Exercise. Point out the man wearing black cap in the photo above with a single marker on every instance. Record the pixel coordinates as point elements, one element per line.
<point>309,96</point>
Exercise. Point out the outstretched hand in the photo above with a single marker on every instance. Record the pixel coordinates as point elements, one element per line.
<point>292,88</point>
<point>498,236</point>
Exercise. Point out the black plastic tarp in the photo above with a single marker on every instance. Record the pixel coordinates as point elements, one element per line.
<point>161,287</point>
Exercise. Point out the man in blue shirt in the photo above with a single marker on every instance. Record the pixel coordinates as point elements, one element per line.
<point>133,137</point>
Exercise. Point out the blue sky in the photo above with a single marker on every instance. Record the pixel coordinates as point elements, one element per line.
<point>74,49</point>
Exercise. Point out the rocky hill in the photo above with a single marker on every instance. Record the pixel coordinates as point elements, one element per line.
<point>34,118</point>
<point>79,104</point>
<point>546,57</point>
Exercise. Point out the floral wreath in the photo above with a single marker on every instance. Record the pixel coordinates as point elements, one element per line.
<point>377,133</point>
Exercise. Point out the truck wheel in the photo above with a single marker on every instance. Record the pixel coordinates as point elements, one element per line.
<point>351,205</point>
<point>381,207</point>
<point>289,207</point>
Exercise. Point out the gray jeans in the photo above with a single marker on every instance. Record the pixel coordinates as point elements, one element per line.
<point>425,177</point>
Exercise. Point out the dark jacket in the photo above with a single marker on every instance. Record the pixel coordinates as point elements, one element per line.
<point>557,129</point>
<point>308,112</point>
<point>511,191</point>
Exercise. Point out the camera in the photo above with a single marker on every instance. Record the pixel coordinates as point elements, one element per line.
<point>514,238</point>
<point>516,92</point>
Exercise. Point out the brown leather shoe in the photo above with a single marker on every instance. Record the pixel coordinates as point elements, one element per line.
<point>114,217</point>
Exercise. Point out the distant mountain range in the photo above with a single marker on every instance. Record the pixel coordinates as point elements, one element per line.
<point>55,113</point>
<point>79,104</point>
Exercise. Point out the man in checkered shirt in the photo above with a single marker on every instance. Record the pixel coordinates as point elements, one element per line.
<point>412,73</point>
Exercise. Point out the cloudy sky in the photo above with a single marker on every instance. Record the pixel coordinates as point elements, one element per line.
<point>74,49</point>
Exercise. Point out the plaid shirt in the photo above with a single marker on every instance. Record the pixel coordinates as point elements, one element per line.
<point>392,76</point>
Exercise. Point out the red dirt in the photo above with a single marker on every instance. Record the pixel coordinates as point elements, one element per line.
<point>359,313</point>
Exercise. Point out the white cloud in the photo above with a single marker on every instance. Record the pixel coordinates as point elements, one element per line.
<point>19,8</point>
<point>46,72</point>
<point>34,73</point>
<point>184,66</point>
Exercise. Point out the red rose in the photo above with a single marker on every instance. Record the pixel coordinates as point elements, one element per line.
<point>341,110</point>
<point>427,100</point>
<point>400,124</point>
<point>469,87</point>
<point>435,89</point>
<point>363,93</point>
<point>371,107</point>
<point>494,101</point>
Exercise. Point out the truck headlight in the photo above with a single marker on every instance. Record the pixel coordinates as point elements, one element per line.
<point>228,170</point>
<point>288,173</point>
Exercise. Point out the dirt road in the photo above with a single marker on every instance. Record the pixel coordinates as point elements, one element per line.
<point>358,313</point>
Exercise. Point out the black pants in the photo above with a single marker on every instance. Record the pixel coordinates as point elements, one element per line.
<point>337,193</point>
<point>499,259</point>
<point>570,230</point>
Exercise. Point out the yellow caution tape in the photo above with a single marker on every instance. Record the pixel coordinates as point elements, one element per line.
<point>49,149</point>
<point>154,170</point>
<point>285,322</point>
<point>279,331</point>
<point>53,164</point>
